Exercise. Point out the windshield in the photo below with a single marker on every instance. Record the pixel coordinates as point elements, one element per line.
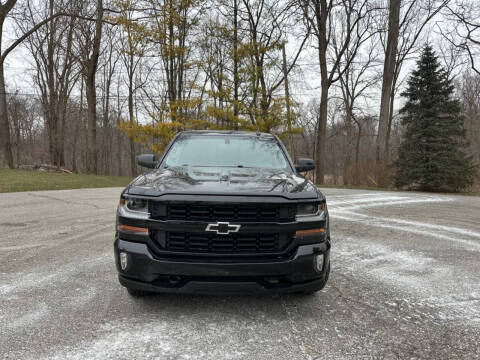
<point>226,151</point>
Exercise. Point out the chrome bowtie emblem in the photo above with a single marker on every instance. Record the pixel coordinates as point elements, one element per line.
<point>223,228</point>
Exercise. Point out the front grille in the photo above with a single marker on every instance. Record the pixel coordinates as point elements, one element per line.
<point>222,244</point>
<point>222,212</point>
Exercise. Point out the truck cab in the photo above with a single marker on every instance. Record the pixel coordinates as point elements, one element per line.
<point>222,212</point>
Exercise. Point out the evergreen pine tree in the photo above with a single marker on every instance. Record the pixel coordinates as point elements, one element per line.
<point>431,156</point>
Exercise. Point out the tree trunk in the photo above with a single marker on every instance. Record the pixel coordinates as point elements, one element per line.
<point>119,133</point>
<point>347,163</point>
<point>107,139</point>
<point>287,103</point>
<point>133,164</point>
<point>388,77</point>
<point>15,121</point>
<point>321,136</point>
<point>91,122</point>
<point>85,150</point>
<point>6,146</point>
<point>334,164</point>
<point>235,60</point>
<point>357,146</point>
<point>52,105</point>
<point>61,131</point>
<point>321,14</point>
<point>5,142</point>
<point>357,154</point>
<point>132,121</point>
<point>77,129</point>
<point>66,85</point>
<point>390,120</point>
<point>91,67</point>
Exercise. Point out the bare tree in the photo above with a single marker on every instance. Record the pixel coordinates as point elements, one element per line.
<point>388,77</point>
<point>322,15</point>
<point>465,32</point>
<point>88,37</point>
<point>133,49</point>
<point>469,86</point>
<point>410,18</point>
<point>267,24</point>
<point>5,144</point>
<point>5,10</point>
<point>56,72</point>
<point>355,83</point>
<point>236,81</point>
<point>112,56</point>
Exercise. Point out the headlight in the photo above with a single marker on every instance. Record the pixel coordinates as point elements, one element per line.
<point>307,209</point>
<point>135,204</point>
<point>313,208</point>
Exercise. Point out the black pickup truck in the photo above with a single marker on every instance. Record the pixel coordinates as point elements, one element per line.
<point>222,212</point>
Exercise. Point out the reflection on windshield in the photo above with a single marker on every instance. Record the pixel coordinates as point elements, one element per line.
<point>226,151</point>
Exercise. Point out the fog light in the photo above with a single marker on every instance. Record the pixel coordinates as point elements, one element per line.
<point>123,260</point>
<point>319,262</point>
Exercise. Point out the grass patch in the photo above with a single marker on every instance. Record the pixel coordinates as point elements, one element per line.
<point>25,180</point>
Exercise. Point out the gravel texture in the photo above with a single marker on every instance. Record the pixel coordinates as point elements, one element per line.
<point>404,284</point>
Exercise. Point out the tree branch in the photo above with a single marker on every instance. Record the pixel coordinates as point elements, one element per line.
<point>38,26</point>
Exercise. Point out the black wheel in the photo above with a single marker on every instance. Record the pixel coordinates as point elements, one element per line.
<point>137,293</point>
<point>322,285</point>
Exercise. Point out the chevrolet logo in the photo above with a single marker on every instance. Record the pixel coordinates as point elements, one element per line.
<point>222,228</point>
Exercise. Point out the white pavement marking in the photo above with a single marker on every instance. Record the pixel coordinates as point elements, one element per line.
<point>26,318</point>
<point>372,222</point>
<point>11,284</point>
<point>413,273</point>
<point>418,224</point>
<point>381,202</point>
<point>136,341</point>
<point>20,247</point>
<point>409,270</point>
<point>344,210</point>
<point>369,199</point>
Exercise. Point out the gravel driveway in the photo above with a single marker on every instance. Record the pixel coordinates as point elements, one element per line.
<point>405,283</point>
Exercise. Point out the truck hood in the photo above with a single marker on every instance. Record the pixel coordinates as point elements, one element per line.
<point>222,181</point>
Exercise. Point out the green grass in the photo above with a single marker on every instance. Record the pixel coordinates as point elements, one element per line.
<point>24,180</point>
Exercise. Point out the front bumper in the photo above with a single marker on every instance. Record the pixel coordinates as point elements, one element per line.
<point>145,271</point>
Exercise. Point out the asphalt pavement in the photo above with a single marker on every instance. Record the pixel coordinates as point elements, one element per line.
<point>404,284</point>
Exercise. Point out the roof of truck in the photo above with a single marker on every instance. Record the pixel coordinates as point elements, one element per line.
<point>228,132</point>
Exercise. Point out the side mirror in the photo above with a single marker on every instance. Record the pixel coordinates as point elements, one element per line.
<point>146,160</point>
<point>305,165</point>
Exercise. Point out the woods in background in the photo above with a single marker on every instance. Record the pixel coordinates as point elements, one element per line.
<point>110,79</point>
